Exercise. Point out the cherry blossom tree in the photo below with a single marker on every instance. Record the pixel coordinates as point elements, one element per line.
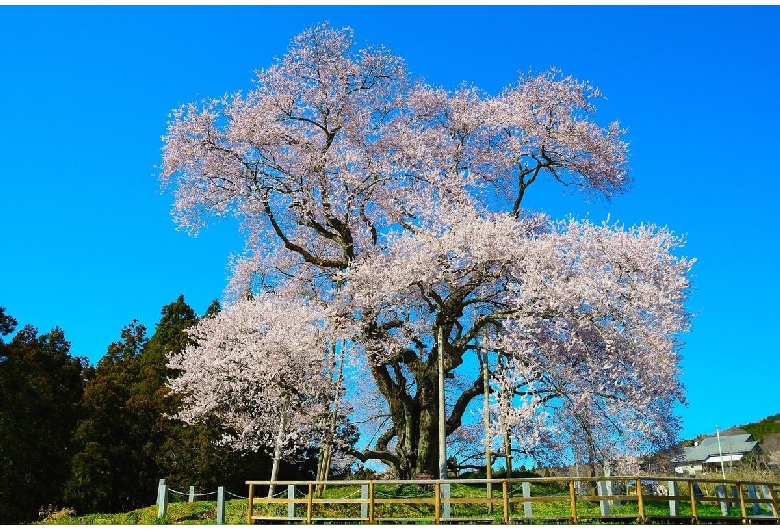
<point>397,207</point>
<point>260,365</point>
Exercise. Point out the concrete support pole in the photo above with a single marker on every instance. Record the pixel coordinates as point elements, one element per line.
<point>674,505</point>
<point>191,497</point>
<point>445,506</point>
<point>221,505</point>
<point>720,491</point>
<point>527,511</point>
<point>603,491</point>
<point>162,500</point>
<point>753,494</point>
<point>290,505</point>
<point>765,494</point>
<point>364,505</point>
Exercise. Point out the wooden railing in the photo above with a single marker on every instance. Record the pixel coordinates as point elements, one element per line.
<point>573,499</point>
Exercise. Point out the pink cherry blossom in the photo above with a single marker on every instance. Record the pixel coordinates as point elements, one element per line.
<point>395,209</point>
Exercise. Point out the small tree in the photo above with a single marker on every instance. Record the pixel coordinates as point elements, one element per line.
<point>260,367</point>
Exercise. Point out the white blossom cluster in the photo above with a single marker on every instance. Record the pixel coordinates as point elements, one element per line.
<point>388,210</point>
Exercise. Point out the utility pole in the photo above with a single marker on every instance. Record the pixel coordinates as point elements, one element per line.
<point>720,450</point>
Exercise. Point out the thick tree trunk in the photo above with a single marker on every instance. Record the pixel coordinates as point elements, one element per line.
<point>415,416</point>
<point>415,423</point>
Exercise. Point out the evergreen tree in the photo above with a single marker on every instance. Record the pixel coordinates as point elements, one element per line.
<point>187,455</point>
<point>40,390</point>
<point>109,471</point>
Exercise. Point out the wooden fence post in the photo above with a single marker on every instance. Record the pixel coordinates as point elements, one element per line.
<point>773,499</point>
<point>221,505</point>
<point>640,500</point>
<point>251,503</point>
<point>692,487</point>
<point>310,504</point>
<point>437,502</point>
<point>371,493</point>
<point>573,499</point>
<point>505,494</point>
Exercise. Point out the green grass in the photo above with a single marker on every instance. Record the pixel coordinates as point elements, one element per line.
<point>543,511</point>
<point>202,512</point>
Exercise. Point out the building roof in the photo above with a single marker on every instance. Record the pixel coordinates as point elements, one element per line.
<point>729,445</point>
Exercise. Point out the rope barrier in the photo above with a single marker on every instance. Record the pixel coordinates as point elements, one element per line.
<point>171,490</point>
<point>234,495</point>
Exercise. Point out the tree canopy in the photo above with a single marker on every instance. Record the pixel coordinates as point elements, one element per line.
<point>40,389</point>
<point>395,210</point>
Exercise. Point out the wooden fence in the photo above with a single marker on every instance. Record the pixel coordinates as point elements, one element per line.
<point>562,499</point>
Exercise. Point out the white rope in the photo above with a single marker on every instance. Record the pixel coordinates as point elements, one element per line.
<point>171,490</point>
<point>237,496</point>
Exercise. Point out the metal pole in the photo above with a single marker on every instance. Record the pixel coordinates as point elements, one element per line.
<point>720,450</point>
<point>488,437</point>
<point>442,424</point>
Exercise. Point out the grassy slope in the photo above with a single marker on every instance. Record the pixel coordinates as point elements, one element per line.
<point>236,510</point>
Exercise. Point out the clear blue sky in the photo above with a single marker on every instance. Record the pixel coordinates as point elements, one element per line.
<point>88,243</point>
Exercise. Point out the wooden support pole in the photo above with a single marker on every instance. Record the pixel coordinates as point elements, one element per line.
<point>310,504</point>
<point>437,502</point>
<point>773,499</point>
<point>640,500</point>
<point>573,499</point>
<point>251,503</point>
<point>371,492</point>
<point>694,516</point>
<point>505,494</point>
<point>742,509</point>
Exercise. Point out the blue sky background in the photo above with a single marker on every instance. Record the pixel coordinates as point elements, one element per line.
<point>88,243</point>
